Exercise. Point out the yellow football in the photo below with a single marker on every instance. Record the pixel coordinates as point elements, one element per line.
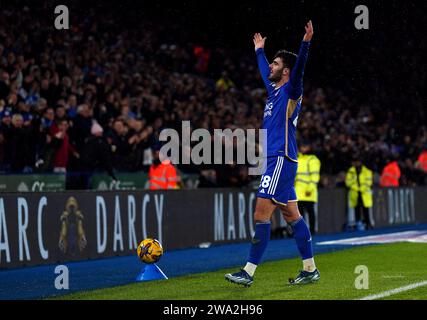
<point>150,250</point>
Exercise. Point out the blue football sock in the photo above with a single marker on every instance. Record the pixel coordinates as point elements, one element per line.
<point>302,237</point>
<point>259,242</point>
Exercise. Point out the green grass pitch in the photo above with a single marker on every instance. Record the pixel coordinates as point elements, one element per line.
<point>390,266</point>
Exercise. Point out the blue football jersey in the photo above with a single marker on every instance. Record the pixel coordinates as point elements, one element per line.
<point>282,107</point>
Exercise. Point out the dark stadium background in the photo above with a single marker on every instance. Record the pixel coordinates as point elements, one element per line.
<point>375,77</point>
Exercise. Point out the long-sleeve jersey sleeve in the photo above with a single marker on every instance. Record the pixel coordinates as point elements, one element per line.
<point>297,73</point>
<point>264,69</point>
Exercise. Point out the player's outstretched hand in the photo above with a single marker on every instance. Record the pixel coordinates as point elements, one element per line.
<point>259,41</point>
<point>308,31</point>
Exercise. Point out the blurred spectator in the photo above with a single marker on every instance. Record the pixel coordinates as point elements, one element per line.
<point>203,57</point>
<point>232,175</point>
<point>48,118</point>
<point>208,179</point>
<point>63,148</point>
<point>2,151</point>
<point>6,131</point>
<point>120,138</point>
<point>71,106</point>
<point>95,157</point>
<point>81,127</point>
<point>224,83</point>
<point>422,161</point>
<point>21,157</point>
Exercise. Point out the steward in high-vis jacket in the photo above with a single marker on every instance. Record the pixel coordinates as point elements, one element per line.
<point>390,175</point>
<point>306,181</point>
<point>162,174</point>
<point>359,182</point>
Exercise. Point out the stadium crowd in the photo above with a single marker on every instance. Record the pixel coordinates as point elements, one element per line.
<point>96,97</point>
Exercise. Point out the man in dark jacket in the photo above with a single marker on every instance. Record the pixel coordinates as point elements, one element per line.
<point>21,155</point>
<point>81,127</point>
<point>119,138</point>
<point>96,156</point>
<point>6,130</point>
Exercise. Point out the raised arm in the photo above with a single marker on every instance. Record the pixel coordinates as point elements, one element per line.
<point>297,73</point>
<point>263,64</point>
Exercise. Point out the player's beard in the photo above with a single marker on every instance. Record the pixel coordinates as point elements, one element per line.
<point>276,76</point>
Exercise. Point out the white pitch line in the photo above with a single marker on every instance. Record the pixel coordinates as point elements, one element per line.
<point>395,291</point>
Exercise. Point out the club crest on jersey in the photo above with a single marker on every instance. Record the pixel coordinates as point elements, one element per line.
<point>268,108</point>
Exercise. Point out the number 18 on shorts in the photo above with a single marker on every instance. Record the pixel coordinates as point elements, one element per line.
<point>277,183</point>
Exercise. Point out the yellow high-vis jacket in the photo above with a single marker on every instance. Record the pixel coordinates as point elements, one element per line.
<point>359,183</point>
<point>307,178</point>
